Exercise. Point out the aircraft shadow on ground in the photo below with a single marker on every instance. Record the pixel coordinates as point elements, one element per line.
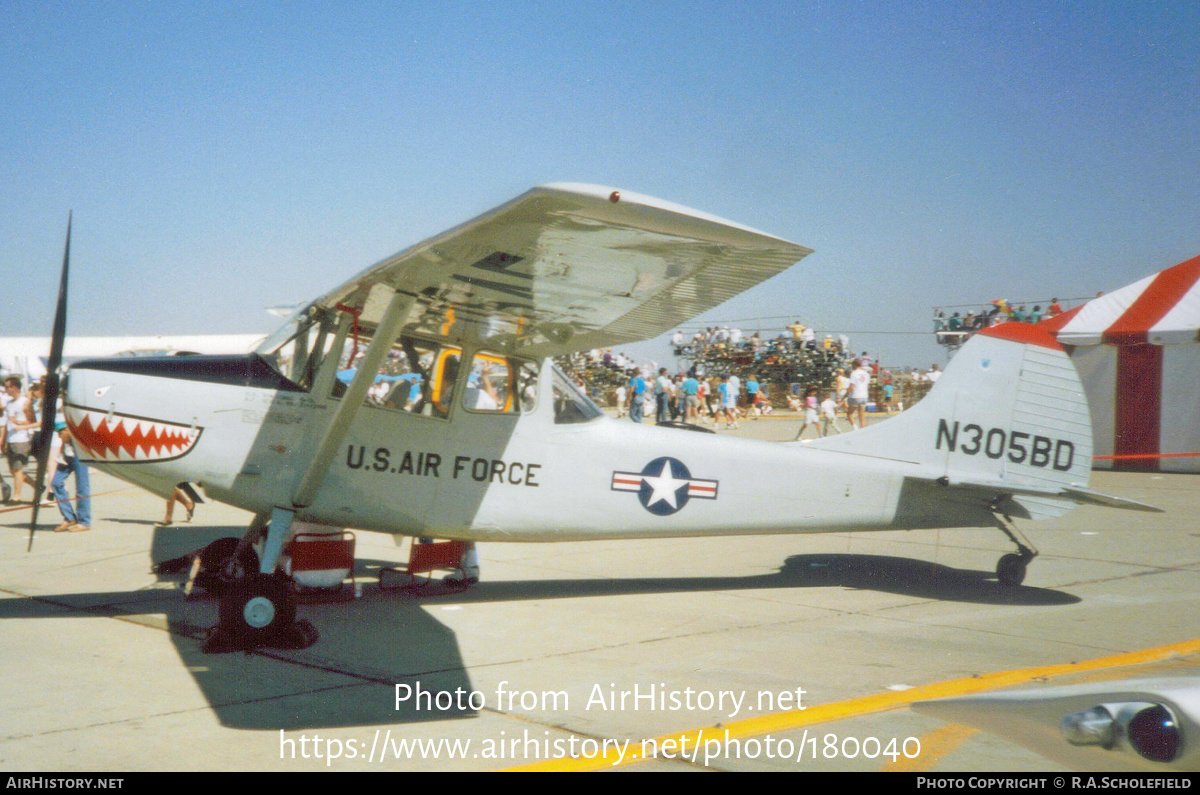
<point>346,679</point>
<point>368,645</point>
<point>904,576</point>
<point>365,648</point>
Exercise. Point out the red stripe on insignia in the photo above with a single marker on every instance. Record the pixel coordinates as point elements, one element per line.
<point>1024,333</point>
<point>1154,303</point>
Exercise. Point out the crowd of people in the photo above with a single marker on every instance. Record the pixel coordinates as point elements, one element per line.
<point>955,329</point>
<point>793,357</point>
<point>728,376</point>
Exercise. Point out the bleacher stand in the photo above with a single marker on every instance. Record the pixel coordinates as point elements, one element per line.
<point>785,365</point>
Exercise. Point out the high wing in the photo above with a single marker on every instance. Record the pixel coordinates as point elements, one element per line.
<point>567,267</point>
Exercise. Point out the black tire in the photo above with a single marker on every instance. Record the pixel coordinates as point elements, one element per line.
<point>1010,570</point>
<point>216,573</point>
<point>256,609</point>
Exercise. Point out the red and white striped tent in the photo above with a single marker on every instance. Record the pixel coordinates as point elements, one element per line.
<point>1137,351</point>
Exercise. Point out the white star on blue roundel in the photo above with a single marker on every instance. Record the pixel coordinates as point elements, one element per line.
<point>664,485</point>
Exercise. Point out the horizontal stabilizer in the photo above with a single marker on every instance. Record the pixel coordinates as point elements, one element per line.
<point>1096,498</point>
<point>1076,494</point>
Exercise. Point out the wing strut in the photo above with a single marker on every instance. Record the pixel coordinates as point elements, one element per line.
<point>385,334</point>
<point>339,426</point>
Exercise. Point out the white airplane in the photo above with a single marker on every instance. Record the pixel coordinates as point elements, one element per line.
<point>456,424</point>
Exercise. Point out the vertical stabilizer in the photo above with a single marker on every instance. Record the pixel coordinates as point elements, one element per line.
<point>1009,409</point>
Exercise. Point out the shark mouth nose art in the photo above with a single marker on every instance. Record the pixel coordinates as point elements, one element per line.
<point>124,438</point>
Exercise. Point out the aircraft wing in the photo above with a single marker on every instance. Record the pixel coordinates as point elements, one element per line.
<point>569,267</point>
<point>1133,724</point>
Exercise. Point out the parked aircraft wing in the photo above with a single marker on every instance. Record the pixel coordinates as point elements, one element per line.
<point>1129,725</point>
<point>568,267</point>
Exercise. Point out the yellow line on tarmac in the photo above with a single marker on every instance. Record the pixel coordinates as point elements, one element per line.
<point>855,707</point>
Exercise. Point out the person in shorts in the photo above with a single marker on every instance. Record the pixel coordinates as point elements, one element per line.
<point>856,401</point>
<point>729,401</point>
<point>17,434</point>
<point>829,415</point>
<point>810,412</point>
<point>691,391</point>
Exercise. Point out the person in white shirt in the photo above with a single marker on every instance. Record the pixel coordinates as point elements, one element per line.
<point>662,396</point>
<point>829,415</point>
<point>860,381</point>
<point>842,384</point>
<point>735,387</point>
<point>16,434</point>
<point>934,374</point>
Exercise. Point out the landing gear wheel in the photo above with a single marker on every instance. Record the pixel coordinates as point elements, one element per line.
<point>1010,570</point>
<point>256,610</point>
<point>220,569</point>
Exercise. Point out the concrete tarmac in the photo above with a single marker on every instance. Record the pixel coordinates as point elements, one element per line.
<point>582,655</point>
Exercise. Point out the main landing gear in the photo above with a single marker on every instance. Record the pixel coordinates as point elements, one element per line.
<point>1010,569</point>
<point>256,609</point>
<point>220,565</point>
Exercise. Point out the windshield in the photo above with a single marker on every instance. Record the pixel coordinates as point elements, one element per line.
<point>570,403</point>
<point>297,347</point>
<point>271,345</point>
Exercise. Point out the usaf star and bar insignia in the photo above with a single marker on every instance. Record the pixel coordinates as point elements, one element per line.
<point>664,486</point>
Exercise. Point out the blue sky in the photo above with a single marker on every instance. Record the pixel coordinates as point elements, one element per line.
<point>222,157</point>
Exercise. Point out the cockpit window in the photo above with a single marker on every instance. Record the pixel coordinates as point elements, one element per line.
<point>497,383</point>
<point>527,379</point>
<point>570,403</point>
<point>489,384</point>
<point>416,377</point>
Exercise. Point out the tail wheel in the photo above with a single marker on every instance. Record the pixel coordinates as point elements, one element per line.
<point>256,609</point>
<point>1010,570</point>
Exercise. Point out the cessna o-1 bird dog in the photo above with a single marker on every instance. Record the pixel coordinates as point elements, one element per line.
<point>419,399</point>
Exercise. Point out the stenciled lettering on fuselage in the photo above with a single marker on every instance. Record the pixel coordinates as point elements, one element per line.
<point>664,486</point>
<point>996,443</point>
<point>432,465</point>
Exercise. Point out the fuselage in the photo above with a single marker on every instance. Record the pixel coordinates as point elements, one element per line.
<point>246,437</point>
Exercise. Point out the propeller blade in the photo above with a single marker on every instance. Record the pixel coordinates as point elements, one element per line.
<point>50,396</point>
